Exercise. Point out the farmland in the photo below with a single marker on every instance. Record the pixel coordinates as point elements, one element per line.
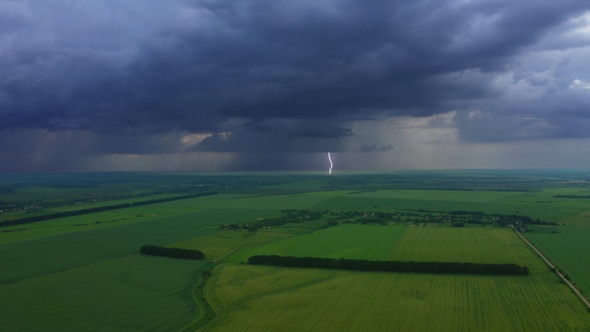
<point>568,250</point>
<point>255,298</point>
<point>122,294</point>
<point>419,301</point>
<point>98,280</point>
<point>346,241</point>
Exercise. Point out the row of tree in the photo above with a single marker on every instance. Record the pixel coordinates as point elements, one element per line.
<point>455,218</point>
<point>95,209</point>
<point>391,266</point>
<point>150,249</point>
<point>571,196</point>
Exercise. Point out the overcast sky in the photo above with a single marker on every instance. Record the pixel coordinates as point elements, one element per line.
<point>275,85</point>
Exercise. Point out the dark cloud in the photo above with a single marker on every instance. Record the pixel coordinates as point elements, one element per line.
<point>291,138</point>
<point>268,76</point>
<point>376,148</point>
<point>316,128</point>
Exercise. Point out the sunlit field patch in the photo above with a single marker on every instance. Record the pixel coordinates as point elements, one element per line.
<point>255,298</point>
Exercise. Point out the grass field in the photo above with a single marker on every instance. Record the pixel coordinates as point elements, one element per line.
<point>90,279</point>
<point>83,273</point>
<point>253,298</point>
<point>79,206</point>
<point>210,210</point>
<point>569,249</point>
<point>344,241</point>
<point>256,298</point>
<point>464,244</point>
<point>64,252</point>
<point>24,259</point>
<point>220,244</point>
<point>133,293</point>
<point>397,242</point>
<point>537,205</point>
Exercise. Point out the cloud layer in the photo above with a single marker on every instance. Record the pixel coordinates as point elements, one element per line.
<point>307,76</point>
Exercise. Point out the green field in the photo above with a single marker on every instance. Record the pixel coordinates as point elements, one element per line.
<point>569,250</point>
<point>220,244</point>
<point>133,293</point>
<point>63,277</point>
<point>537,205</point>
<point>345,241</point>
<point>84,273</point>
<point>395,242</point>
<point>24,259</point>
<point>209,210</point>
<point>247,297</point>
<point>465,244</point>
<point>255,298</point>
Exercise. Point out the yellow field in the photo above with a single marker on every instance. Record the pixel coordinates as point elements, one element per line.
<point>259,298</point>
<point>464,244</point>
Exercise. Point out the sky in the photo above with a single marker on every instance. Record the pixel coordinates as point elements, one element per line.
<point>249,85</point>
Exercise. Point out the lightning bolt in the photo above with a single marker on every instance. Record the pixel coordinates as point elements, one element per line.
<point>331,163</point>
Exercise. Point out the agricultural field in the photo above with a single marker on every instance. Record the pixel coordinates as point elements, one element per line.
<point>537,205</point>
<point>85,272</point>
<point>466,244</point>
<point>221,244</point>
<point>65,277</point>
<point>380,301</point>
<point>404,243</point>
<point>131,293</point>
<point>345,241</point>
<point>569,250</point>
<point>260,298</point>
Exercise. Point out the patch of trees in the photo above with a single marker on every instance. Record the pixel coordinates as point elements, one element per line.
<point>503,219</point>
<point>457,218</point>
<point>288,216</point>
<point>571,196</point>
<point>464,212</point>
<point>478,217</point>
<point>94,210</point>
<point>391,266</point>
<point>150,249</point>
<point>15,230</point>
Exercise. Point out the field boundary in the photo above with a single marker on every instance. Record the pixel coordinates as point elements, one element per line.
<point>205,311</point>
<point>554,269</point>
<point>80,212</point>
<point>390,266</point>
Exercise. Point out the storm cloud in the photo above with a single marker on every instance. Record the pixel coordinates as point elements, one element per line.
<point>281,76</point>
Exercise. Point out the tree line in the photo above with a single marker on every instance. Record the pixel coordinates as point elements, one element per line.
<point>95,209</point>
<point>571,196</point>
<point>391,266</point>
<point>150,249</point>
<point>458,218</point>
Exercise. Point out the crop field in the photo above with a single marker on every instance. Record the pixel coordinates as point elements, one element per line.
<point>404,243</point>
<point>345,241</point>
<point>464,244</point>
<point>537,205</point>
<point>84,272</point>
<point>569,250</point>
<point>210,210</point>
<point>257,298</point>
<point>133,293</point>
<point>82,278</point>
<point>220,244</point>
<point>76,249</point>
<point>251,296</point>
